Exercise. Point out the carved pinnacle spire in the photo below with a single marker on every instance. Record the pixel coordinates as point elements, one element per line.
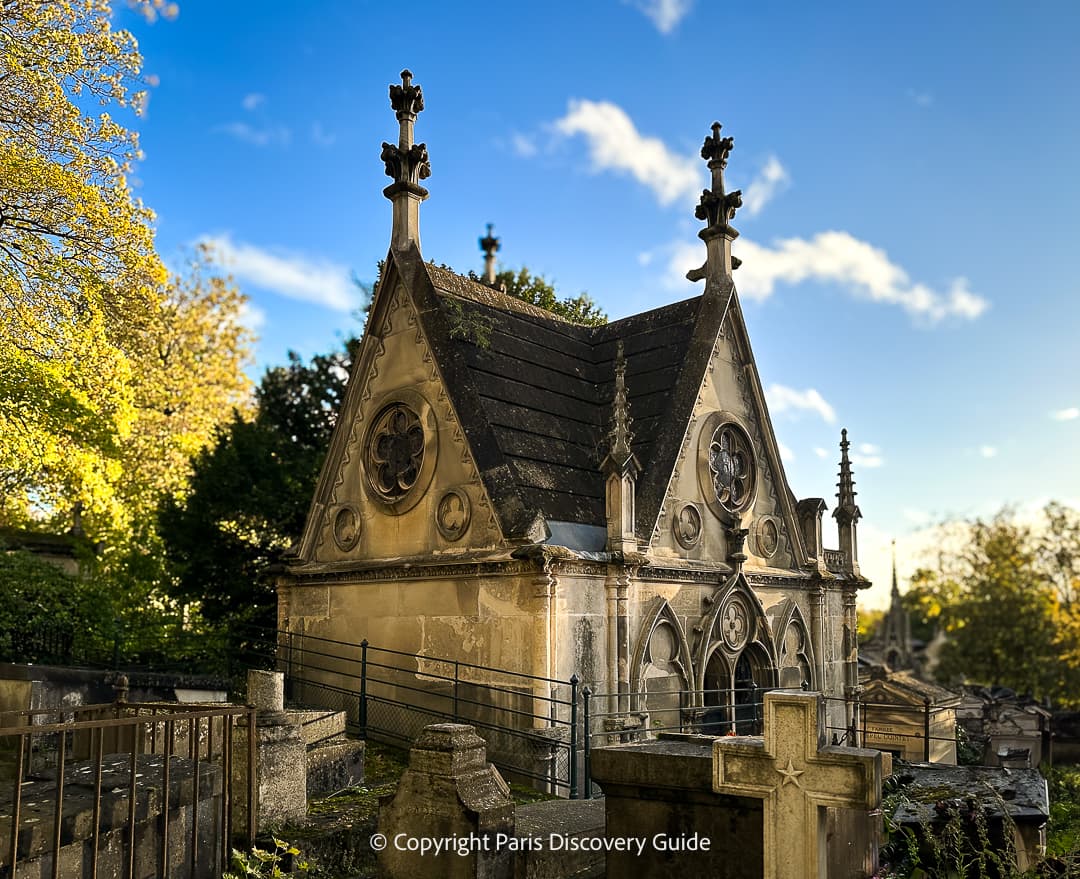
<point>490,246</point>
<point>846,505</point>
<point>620,455</point>
<point>717,208</point>
<point>406,163</point>
<point>895,585</point>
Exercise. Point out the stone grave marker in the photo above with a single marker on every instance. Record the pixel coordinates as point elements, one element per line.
<point>797,778</point>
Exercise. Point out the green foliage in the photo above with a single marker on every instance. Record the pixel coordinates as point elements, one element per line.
<point>1063,831</point>
<point>536,290</point>
<point>284,860</point>
<point>1002,602</point>
<point>467,324</point>
<point>969,752</point>
<point>250,492</point>
<point>47,615</point>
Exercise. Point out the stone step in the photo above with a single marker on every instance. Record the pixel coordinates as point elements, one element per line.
<point>317,725</point>
<point>334,765</point>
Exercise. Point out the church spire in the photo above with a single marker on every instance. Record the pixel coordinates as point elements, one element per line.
<point>620,465</point>
<point>407,163</point>
<point>895,584</point>
<point>717,208</point>
<point>490,246</point>
<point>847,513</point>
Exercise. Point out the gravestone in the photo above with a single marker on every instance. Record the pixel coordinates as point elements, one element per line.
<point>452,794</point>
<point>797,779</point>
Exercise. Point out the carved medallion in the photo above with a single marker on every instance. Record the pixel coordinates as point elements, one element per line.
<point>453,514</point>
<point>735,624</point>
<point>347,527</point>
<point>765,534</point>
<point>686,525</point>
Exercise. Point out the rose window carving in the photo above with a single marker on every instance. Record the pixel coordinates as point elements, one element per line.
<point>731,465</point>
<point>395,452</point>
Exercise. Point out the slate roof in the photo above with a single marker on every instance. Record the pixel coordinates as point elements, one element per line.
<point>545,385</point>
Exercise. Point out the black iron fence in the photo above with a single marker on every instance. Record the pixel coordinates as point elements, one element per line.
<point>530,722</point>
<point>128,789</point>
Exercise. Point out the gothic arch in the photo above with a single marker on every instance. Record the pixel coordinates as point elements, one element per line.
<point>735,624</point>
<point>674,650</point>
<point>793,645</point>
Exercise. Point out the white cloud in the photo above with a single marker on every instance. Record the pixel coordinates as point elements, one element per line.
<point>988,451</point>
<point>664,14</point>
<point>321,137</point>
<point>523,145</point>
<point>772,180</point>
<point>273,135</point>
<point>297,277</point>
<point>820,452</point>
<point>615,144</point>
<point>868,456</point>
<point>252,317</point>
<point>785,399</point>
<point>785,453</point>
<point>1069,414</point>
<point>921,99</point>
<point>837,257</point>
<point>253,101</point>
<point>645,257</point>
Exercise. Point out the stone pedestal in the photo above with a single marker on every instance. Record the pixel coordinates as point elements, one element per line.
<point>449,790</point>
<point>281,753</point>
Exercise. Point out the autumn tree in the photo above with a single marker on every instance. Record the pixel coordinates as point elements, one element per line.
<point>111,375</point>
<point>997,597</point>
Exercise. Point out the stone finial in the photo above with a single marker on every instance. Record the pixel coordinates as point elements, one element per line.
<point>407,163</point>
<point>620,456</point>
<point>490,245</point>
<point>847,513</point>
<point>846,486</point>
<point>717,208</point>
<point>406,99</point>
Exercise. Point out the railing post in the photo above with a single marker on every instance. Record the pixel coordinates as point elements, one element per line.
<point>573,737</point>
<point>926,729</point>
<point>586,696</point>
<point>363,688</point>
<point>457,666</point>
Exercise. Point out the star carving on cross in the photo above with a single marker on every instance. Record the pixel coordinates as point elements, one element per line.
<point>791,774</point>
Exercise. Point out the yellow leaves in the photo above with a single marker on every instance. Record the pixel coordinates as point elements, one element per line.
<point>110,375</point>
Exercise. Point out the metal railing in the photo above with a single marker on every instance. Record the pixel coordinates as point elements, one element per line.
<point>530,722</point>
<point>113,777</point>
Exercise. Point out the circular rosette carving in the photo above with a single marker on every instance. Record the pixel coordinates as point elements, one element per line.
<point>453,514</point>
<point>765,536</point>
<point>687,526</point>
<point>400,448</point>
<point>346,527</point>
<point>726,469</point>
<point>734,624</point>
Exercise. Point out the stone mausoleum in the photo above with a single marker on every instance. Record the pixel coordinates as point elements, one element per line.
<point>515,490</point>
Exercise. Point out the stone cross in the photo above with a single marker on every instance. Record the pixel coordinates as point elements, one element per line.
<point>796,777</point>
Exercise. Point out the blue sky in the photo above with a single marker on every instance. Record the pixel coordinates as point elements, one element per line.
<point>908,173</point>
